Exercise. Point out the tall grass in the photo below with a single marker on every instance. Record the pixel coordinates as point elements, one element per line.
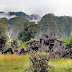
<point>62,65</point>
<point>14,63</point>
<point>18,63</point>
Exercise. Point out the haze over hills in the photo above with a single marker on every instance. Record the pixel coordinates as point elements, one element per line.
<point>33,17</point>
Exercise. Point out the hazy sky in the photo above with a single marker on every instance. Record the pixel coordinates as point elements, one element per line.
<point>41,7</point>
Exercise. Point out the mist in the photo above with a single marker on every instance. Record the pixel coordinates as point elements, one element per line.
<point>6,15</point>
<point>41,7</point>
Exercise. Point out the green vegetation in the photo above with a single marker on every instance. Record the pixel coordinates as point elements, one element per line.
<point>68,42</point>
<point>25,30</point>
<point>68,45</point>
<point>3,30</point>
<point>62,65</point>
<point>60,25</point>
<point>14,63</point>
<point>28,31</point>
<point>25,43</point>
<point>17,25</point>
<point>20,44</point>
<point>39,62</point>
<point>8,44</point>
<point>49,23</point>
<point>19,63</point>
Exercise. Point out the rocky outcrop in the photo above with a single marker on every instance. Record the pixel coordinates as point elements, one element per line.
<point>14,44</point>
<point>33,46</point>
<point>3,47</point>
<point>47,44</point>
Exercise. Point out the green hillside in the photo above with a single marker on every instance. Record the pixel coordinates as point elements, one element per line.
<point>20,24</point>
<point>60,25</point>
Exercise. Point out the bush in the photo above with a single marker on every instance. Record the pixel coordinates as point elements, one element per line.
<point>28,32</point>
<point>68,45</point>
<point>8,44</point>
<point>20,44</point>
<point>68,42</point>
<point>39,62</point>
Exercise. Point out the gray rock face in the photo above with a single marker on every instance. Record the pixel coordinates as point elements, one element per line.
<point>3,48</point>
<point>48,44</point>
<point>22,51</point>
<point>2,44</point>
<point>51,44</point>
<point>14,44</point>
<point>8,50</point>
<point>33,46</point>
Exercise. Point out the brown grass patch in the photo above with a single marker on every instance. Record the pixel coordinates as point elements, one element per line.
<point>9,57</point>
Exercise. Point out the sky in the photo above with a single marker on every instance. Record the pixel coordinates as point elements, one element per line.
<point>41,7</point>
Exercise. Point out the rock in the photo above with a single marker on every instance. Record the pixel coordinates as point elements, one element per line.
<point>33,46</point>
<point>22,51</point>
<point>8,50</point>
<point>16,51</point>
<point>14,44</point>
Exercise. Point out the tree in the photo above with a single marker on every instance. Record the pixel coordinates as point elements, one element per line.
<point>28,32</point>
<point>3,29</point>
<point>68,42</point>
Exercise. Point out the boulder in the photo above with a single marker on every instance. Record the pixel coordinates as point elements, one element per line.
<point>14,44</point>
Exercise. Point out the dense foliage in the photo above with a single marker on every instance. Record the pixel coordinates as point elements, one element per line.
<point>28,32</point>
<point>60,25</point>
<point>68,45</point>
<point>20,26</point>
<point>39,63</point>
<point>3,29</point>
<point>68,42</point>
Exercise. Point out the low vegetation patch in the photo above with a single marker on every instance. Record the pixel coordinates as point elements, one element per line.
<point>14,63</point>
<point>19,63</point>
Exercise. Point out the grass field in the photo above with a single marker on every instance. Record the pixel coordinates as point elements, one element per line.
<point>18,63</point>
<point>63,65</point>
<point>14,63</point>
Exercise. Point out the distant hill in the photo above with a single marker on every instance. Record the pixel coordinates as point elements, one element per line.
<point>33,17</point>
<point>62,25</point>
<point>19,14</point>
<point>15,25</point>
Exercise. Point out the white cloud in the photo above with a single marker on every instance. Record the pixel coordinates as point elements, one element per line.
<point>6,15</point>
<point>58,7</point>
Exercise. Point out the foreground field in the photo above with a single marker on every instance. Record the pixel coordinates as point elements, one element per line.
<point>14,63</point>
<point>18,63</point>
<point>62,65</point>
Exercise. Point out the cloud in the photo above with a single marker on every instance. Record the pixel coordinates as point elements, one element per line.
<point>6,15</point>
<point>41,7</point>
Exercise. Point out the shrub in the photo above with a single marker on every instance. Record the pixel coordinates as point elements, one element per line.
<point>39,62</point>
<point>20,44</point>
<point>8,44</point>
<point>68,42</point>
<point>68,45</point>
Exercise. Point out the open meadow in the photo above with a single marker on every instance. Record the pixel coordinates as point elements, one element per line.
<point>14,63</point>
<point>18,63</point>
